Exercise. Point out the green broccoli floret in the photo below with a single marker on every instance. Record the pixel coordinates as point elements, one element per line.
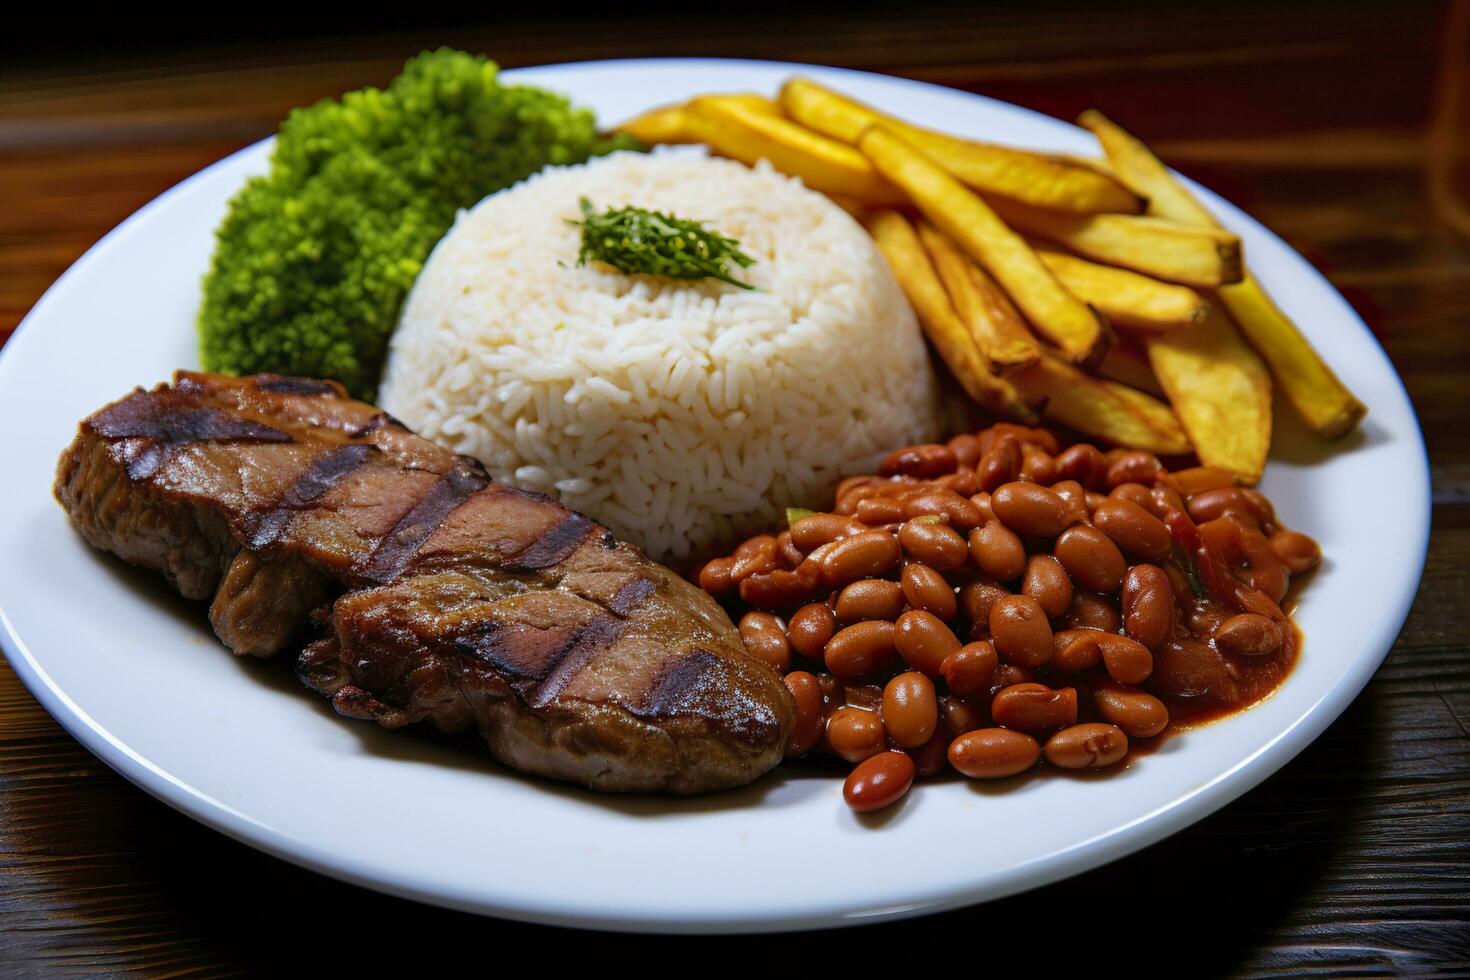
<point>314,260</point>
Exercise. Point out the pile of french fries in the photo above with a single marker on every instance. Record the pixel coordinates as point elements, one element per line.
<point>1098,294</point>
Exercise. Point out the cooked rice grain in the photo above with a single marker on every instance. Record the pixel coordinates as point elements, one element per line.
<point>683,415</point>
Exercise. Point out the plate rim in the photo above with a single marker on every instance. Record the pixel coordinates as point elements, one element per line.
<point>1223,788</point>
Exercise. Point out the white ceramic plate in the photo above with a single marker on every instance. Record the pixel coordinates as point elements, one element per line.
<point>136,675</point>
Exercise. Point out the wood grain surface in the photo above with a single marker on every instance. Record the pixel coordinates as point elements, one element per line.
<point>1344,128</point>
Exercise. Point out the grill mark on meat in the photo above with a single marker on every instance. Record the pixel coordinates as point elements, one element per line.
<point>154,418</point>
<point>631,595</point>
<point>679,688</point>
<point>523,653</point>
<point>325,472</point>
<point>282,385</point>
<point>379,421</point>
<point>398,546</point>
<point>553,547</point>
<point>597,636</point>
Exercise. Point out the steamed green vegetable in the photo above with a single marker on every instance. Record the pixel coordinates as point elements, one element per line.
<point>634,240</point>
<point>313,260</point>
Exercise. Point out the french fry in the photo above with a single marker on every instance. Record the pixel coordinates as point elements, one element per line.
<point>736,130</point>
<point>1323,402</point>
<point>1104,410</point>
<point>982,306</point>
<point>666,124</point>
<point>1221,391</point>
<point>1187,254</point>
<point>900,244</point>
<point>1053,312</point>
<point>1126,298</point>
<point>1032,178</point>
<point>1128,365</point>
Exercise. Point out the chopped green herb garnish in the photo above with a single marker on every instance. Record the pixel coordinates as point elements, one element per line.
<point>634,240</point>
<point>794,514</point>
<point>929,519</point>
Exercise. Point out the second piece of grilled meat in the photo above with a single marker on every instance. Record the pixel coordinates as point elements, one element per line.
<point>437,595</point>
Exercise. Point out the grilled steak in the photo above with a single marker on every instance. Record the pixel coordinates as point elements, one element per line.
<point>428,592</point>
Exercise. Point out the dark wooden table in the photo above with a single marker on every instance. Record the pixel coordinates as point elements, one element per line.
<point>1323,121</point>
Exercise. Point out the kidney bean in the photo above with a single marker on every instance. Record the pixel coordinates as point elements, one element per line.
<point>780,589</point>
<point>966,449</point>
<point>1076,497</point>
<point>1047,582</point>
<point>1085,464</point>
<point>1000,464</point>
<point>1179,582</point>
<point>1030,509</point>
<point>962,481</point>
<point>910,709</point>
<point>1090,746</point>
<point>714,577</point>
<point>1075,650</point>
<point>1034,706</point>
<point>929,758</point>
<point>1091,558</point>
<point>924,641</point>
<point>1038,466</point>
<point>1248,635</point>
<point>998,551</point>
<point>1007,674</point>
<point>1127,661</point>
<point>765,640</point>
<point>809,629</point>
<point>1093,612</point>
<point>958,715</point>
<point>854,734</point>
<point>1198,479</point>
<point>926,589</point>
<point>815,530</point>
<point>1135,492</point>
<point>1134,467</point>
<point>1094,501</point>
<point>810,721</point>
<point>879,781</point>
<point>957,511</point>
<point>925,462</point>
<point>867,554</point>
<point>981,501</point>
<point>969,669</point>
<point>1024,434</point>
<point>993,753</point>
<point>1213,504</point>
<point>931,541</point>
<point>976,599</point>
<point>1242,546</point>
<point>1164,502</point>
<point>859,649</point>
<point>1138,713</point>
<point>878,511</point>
<point>869,598</point>
<point>1020,631</point>
<point>755,556</point>
<point>1296,551</point>
<point>1133,529</point>
<point>1148,605</point>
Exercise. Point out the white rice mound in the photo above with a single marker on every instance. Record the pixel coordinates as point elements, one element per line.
<point>684,415</point>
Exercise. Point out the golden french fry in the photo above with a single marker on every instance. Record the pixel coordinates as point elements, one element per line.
<point>666,124</point>
<point>1104,410</point>
<point>1127,299</point>
<point>1220,390</point>
<point>1128,365</point>
<point>1187,254</point>
<point>1323,402</point>
<point>1033,178</point>
<point>994,323</point>
<point>900,244</point>
<point>735,130</point>
<point>956,210</point>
